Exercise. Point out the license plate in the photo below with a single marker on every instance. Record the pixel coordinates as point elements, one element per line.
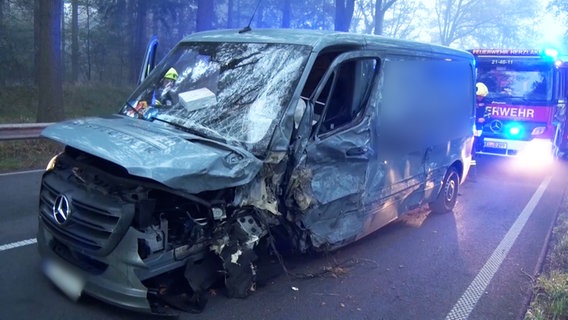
<point>65,279</point>
<point>496,145</point>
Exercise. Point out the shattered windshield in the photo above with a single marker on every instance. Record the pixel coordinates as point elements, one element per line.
<point>517,84</point>
<point>234,92</point>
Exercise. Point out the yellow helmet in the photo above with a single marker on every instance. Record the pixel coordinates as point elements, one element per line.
<point>481,89</point>
<point>171,74</point>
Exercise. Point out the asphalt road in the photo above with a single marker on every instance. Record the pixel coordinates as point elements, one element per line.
<point>476,263</point>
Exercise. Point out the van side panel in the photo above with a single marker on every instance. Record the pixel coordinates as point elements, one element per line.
<point>427,111</point>
<point>425,125</point>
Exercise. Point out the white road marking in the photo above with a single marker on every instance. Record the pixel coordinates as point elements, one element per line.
<point>468,300</point>
<point>20,172</point>
<point>18,244</point>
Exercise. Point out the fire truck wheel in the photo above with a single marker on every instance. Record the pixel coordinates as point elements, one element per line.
<point>448,195</point>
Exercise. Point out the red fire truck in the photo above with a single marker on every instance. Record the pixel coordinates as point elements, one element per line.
<point>524,109</point>
<point>562,64</point>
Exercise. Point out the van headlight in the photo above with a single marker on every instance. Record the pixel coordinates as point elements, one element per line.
<point>52,162</point>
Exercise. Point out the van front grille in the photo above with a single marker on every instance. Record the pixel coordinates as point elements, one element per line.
<point>96,221</point>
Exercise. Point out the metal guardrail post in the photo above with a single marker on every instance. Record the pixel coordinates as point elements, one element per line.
<point>22,130</point>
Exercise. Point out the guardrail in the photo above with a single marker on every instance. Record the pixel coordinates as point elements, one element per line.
<point>19,131</point>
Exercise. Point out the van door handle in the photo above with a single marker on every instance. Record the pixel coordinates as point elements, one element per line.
<point>357,151</point>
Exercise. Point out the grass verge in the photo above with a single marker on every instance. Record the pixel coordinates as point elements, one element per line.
<point>550,291</point>
<point>31,154</point>
<point>19,105</point>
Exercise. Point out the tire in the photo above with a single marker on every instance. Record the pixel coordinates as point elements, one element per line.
<point>448,195</point>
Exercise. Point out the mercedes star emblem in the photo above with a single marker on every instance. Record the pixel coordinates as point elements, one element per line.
<point>61,209</point>
<point>496,126</point>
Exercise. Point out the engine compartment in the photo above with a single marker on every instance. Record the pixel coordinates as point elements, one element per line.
<point>187,242</point>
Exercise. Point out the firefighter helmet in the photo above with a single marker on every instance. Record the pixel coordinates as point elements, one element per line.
<point>171,74</point>
<point>481,89</point>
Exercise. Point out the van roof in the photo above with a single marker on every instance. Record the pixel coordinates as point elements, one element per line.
<point>320,39</point>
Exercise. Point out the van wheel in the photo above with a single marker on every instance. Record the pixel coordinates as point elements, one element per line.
<point>448,196</point>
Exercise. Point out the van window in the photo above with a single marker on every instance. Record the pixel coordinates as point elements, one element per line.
<point>344,94</point>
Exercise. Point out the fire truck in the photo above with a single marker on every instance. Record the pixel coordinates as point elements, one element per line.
<point>562,64</point>
<point>524,110</point>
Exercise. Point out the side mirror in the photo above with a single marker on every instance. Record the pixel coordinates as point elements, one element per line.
<point>299,112</point>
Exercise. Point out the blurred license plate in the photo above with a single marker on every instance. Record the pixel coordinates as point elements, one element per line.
<point>496,145</point>
<point>66,280</point>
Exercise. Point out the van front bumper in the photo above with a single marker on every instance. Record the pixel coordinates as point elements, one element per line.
<point>111,279</point>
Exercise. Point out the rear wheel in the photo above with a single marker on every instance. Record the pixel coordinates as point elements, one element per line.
<point>448,195</point>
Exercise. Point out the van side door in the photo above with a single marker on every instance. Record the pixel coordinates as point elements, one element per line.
<point>331,176</point>
<point>397,183</point>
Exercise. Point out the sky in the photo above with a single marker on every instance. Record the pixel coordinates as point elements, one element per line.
<point>549,33</point>
<point>553,31</point>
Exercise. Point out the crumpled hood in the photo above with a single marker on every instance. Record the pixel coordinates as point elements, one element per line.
<point>152,150</point>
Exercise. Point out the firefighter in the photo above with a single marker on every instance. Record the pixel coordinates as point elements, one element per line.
<point>162,96</point>
<point>481,110</point>
<point>481,115</point>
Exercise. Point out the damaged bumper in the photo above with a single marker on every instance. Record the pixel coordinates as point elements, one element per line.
<point>139,245</point>
<point>112,279</point>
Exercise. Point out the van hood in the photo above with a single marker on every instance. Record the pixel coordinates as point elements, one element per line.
<point>155,151</point>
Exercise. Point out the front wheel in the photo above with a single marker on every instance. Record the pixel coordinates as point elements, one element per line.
<point>448,195</point>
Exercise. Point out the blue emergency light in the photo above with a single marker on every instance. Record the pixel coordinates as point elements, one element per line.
<point>553,53</point>
<point>514,130</point>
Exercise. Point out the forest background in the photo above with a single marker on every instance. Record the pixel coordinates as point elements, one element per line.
<point>61,59</point>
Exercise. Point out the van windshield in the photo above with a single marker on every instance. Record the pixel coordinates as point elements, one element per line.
<point>234,92</point>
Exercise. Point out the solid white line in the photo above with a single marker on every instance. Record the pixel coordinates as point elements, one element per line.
<point>468,300</point>
<point>20,172</point>
<point>18,244</point>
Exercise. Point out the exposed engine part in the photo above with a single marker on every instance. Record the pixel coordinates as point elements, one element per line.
<point>236,252</point>
<point>152,242</point>
<point>249,225</point>
<point>240,271</point>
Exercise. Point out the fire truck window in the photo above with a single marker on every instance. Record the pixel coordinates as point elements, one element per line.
<point>517,83</point>
<point>538,87</point>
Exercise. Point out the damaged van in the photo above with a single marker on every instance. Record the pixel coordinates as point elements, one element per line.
<point>260,140</point>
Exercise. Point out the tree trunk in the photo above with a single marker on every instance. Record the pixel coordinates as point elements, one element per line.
<point>50,79</point>
<point>88,49</point>
<point>74,41</point>
<point>286,13</point>
<point>343,14</point>
<point>62,42</point>
<point>137,50</point>
<point>36,42</point>
<point>381,7</point>
<point>3,80</point>
<point>205,13</point>
<point>1,13</point>
<point>230,12</point>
